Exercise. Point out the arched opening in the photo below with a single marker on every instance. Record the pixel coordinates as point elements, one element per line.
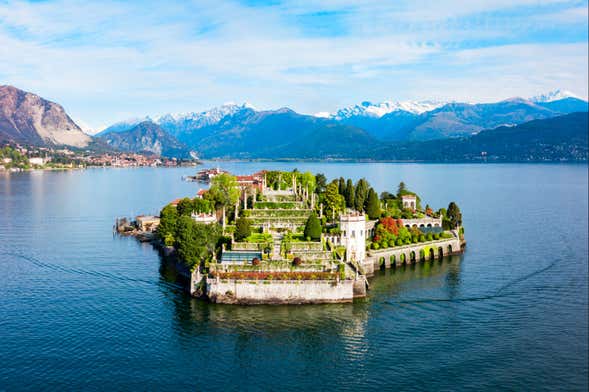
<point>436,225</point>
<point>408,226</point>
<point>450,249</point>
<point>402,258</point>
<point>421,254</point>
<point>440,252</point>
<point>412,256</point>
<point>414,225</point>
<point>381,263</point>
<point>393,261</point>
<point>432,254</point>
<point>429,225</point>
<point>422,225</point>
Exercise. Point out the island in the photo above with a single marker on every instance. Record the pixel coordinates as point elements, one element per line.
<point>278,237</point>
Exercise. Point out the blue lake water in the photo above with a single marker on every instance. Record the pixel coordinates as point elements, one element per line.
<point>81,309</point>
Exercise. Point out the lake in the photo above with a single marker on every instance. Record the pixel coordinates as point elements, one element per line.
<point>83,309</point>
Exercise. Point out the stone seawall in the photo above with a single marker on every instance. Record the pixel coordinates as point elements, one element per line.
<point>279,292</point>
<point>410,254</point>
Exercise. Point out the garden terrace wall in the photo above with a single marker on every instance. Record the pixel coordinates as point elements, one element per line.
<point>305,245</point>
<point>279,213</point>
<point>278,205</point>
<point>269,266</point>
<point>279,292</point>
<point>246,246</point>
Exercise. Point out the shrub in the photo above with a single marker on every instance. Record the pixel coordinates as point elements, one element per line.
<point>243,229</point>
<point>297,261</point>
<point>384,244</point>
<point>313,228</point>
<point>421,238</point>
<point>429,236</point>
<point>375,246</point>
<point>255,261</point>
<point>399,242</point>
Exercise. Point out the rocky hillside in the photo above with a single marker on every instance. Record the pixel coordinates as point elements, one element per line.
<point>29,119</point>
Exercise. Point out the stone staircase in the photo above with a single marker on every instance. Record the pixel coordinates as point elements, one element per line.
<point>277,239</point>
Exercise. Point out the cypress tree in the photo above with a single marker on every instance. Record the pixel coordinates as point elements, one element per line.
<point>361,194</point>
<point>342,186</point>
<point>350,194</point>
<point>372,205</point>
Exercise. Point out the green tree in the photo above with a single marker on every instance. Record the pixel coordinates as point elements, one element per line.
<point>341,186</point>
<point>168,222</point>
<point>185,207</point>
<point>320,183</point>
<point>224,192</point>
<point>196,242</point>
<point>401,189</point>
<point>350,194</point>
<point>453,215</point>
<point>313,227</point>
<point>243,229</point>
<point>361,194</point>
<point>201,205</point>
<point>372,205</point>
<point>334,202</point>
<point>308,181</point>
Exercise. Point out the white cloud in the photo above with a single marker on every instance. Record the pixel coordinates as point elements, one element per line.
<point>107,61</point>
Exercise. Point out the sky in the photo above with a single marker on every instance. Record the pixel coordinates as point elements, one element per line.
<point>107,61</point>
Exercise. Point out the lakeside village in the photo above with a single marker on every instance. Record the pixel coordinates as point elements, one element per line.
<point>16,158</point>
<point>277,237</point>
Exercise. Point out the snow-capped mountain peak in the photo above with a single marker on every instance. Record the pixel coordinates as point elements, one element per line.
<point>207,117</point>
<point>370,109</point>
<point>553,96</point>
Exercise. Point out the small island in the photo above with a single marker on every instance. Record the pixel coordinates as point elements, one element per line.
<point>277,237</point>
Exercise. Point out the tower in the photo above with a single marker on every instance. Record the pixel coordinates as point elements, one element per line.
<point>353,227</point>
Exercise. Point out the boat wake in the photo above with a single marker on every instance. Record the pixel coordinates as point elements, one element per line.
<point>97,274</point>
<point>501,292</point>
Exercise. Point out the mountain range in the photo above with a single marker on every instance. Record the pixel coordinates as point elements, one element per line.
<point>241,131</point>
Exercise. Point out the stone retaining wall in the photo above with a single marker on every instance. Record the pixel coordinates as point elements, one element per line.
<point>279,292</point>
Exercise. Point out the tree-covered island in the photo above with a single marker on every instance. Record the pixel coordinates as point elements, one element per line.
<point>293,237</point>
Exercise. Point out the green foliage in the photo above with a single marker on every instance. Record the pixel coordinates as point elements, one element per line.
<point>196,242</point>
<point>168,222</point>
<point>334,202</point>
<point>259,238</point>
<point>373,205</point>
<point>350,194</point>
<point>243,229</point>
<point>17,159</point>
<point>401,189</point>
<point>202,205</point>
<point>224,191</point>
<point>185,207</point>
<point>341,186</point>
<point>361,194</point>
<point>320,183</point>
<point>453,216</point>
<point>278,205</point>
<point>307,181</point>
<point>313,228</point>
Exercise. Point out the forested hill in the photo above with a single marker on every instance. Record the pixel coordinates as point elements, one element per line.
<point>563,138</point>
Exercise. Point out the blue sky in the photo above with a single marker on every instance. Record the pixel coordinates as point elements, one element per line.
<point>106,61</point>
